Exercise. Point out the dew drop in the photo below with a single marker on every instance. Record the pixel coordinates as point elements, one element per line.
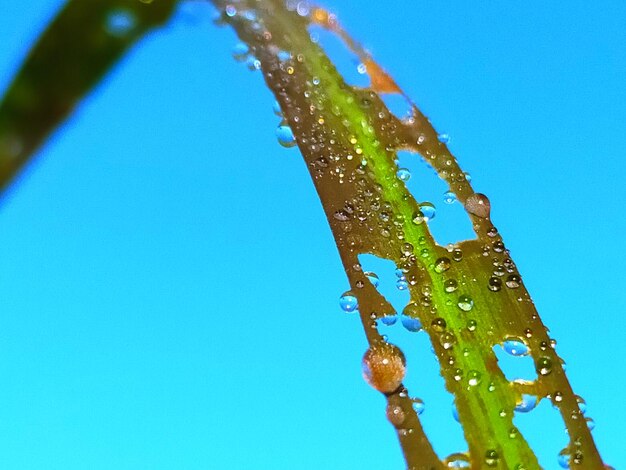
<point>491,458</point>
<point>442,264</point>
<point>373,278</point>
<point>582,405</point>
<point>513,281</point>
<point>348,302</point>
<point>411,324</point>
<point>384,367</point>
<point>428,211</point>
<point>395,415</point>
<point>418,405</point>
<point>438,324</point>
<point>450,285</point>
<point>449,197</point>
<point>389,320</point>
<point>515,347</point>
<point>285,136</point>
<point>443,138</point>
<point>528,403</point>
<point>478,204</point>
<point>465,303</point>
<point>473,378</point>
<point>457,460</point>
<point>494,284</point>
<point>544,365</point>
<point>471,325</point>
<point>230,11</point>
<point>404,174</point>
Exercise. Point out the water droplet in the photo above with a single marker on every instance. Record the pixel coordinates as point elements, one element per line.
<point>439,324</point>
<point>402,284</point>
<point>471,325</point>
<point>373,278</point>
<point>515,347</point>
<point>240,52</point>
<point>465,303</point>
<point>342,215</point>
<point>230,11</point>
<point>389,319</point>
<point>404,174</point>
<point>428,211</point>
<point>494,284</point>
<point>564,458</point>
<point>455,413</point>
<point>449,197</point>
<point>457,460</point>
<point>544,365</point>
<point>285,136</point>
<point>478,204</point>
<point>513,281</point>
<point>411,324</point>
<point>443,138</point>
<point>384,367</point>
<point>395,415</point>
<point>447,340</point>
<point>582,405</point>
<point>361,68</point>
<point>253,64</point>
<point>120,22</point>
<point>473,378</point>
<point>491,458</point>
<point>442,264</point>
<point>450,285</point>
<point>591,424</point>
<point>348,302</point>
<point>279,112</point>
<point>528,403</point>
<point>418,405</point>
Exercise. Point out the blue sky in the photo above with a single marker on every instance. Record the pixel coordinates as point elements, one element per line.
<point>169,284</point>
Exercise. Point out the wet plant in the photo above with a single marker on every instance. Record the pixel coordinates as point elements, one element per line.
<point>468,297</point>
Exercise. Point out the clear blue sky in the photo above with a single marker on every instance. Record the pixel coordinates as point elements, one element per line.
<point>150,317</point>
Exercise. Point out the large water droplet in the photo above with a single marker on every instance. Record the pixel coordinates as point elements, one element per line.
<point>428,211</point>
<point>285,136</point>
<point>348,302</point>
<point>515,347</point>
<point>389,319</point>
<point>384,367</point>
<point>478,204</point>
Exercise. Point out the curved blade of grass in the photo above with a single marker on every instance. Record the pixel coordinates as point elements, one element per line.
<point>349,140</point>
<point>70,58</point>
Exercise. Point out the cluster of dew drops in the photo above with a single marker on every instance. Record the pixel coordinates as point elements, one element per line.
<point>384,364</point>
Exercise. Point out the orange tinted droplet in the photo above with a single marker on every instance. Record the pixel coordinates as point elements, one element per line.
<point>384,367</point>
